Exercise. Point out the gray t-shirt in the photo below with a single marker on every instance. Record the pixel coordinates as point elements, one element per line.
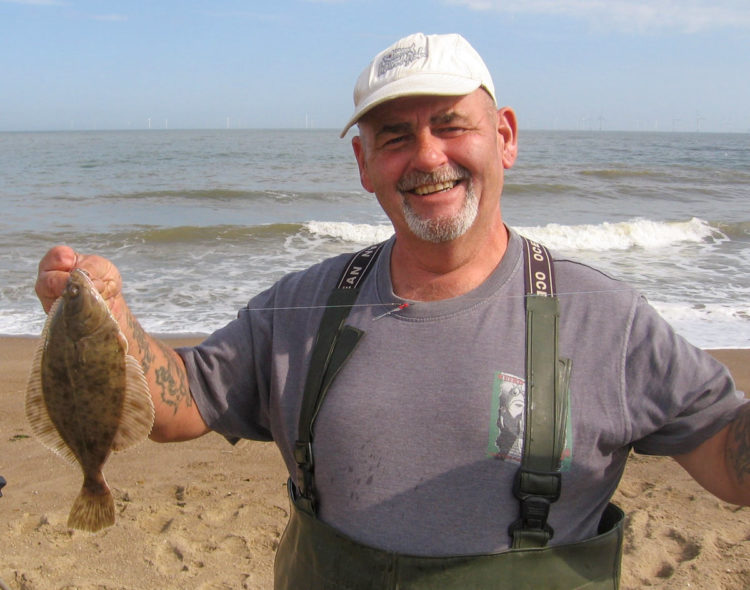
<point>419,438</point>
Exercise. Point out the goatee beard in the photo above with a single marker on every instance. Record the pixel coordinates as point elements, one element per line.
<point>448,227</point>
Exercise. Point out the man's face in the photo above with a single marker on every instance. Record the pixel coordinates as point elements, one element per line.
<point>515,402</point>
<point>436,163</point>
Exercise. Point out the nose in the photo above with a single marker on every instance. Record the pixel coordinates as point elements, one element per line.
<point>428,154</point>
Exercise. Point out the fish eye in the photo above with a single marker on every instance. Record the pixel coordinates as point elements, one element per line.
<point>74,290</point>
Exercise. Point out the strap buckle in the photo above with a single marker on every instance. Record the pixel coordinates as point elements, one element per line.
<point>529,482</point>
<point>534,513</point>
<point>536,491</point>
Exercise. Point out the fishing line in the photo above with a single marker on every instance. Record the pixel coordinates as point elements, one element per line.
<point>392,311</point>
<point>399,306</point>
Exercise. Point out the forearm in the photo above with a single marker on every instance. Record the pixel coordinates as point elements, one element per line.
<point>722,463</point>
<point>738,454</point>
<point>176,415</point>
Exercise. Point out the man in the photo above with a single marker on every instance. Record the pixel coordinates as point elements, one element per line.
<point>397,480</point>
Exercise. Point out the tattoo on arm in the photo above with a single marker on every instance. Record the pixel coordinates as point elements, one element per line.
<point>738,445</point>
<point>171,380</point>
<point>145,352</point>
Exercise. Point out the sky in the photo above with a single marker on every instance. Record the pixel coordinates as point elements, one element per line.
<point>633,65</point>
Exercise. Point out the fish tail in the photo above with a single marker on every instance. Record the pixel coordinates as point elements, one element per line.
<point>93,509</point>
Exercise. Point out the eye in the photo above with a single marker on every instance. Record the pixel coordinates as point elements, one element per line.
<point>450,131</point>
<point>396,140</point>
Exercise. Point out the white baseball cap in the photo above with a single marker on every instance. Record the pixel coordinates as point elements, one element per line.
<point>443,65</point>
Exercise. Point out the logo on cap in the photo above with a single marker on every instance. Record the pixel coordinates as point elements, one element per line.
<point>400,57</point>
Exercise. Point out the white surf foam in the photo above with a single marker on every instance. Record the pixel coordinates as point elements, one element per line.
<point>358,233</point>
<point>626,235</point>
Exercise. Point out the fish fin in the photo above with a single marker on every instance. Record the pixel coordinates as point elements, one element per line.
<point>92,512</point>
<point>36,408</point>
<point>137,416</point>
<point>120,336</point>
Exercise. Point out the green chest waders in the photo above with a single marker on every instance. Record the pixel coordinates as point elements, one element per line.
<point>313,555</point>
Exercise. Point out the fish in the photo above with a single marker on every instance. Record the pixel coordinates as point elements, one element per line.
<point>86,396</point>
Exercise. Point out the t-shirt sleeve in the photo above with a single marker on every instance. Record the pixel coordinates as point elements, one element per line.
<point>677,395</point>
<point>228,375</point>
<point>246,378</point>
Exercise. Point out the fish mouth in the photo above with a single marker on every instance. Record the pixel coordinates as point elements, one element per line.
<point>80,270</point>
<point>78,282</point>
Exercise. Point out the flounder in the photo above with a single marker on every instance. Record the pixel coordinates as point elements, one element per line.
<point>86,395</point>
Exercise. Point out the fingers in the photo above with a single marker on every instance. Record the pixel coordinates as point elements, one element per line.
<point>55,267</point>
<point>103,273</point>
<point>53,274</point>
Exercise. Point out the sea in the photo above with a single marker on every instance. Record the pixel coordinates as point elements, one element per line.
<point>198,221</point>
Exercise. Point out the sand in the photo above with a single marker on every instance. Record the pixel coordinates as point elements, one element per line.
<point>206,515</point>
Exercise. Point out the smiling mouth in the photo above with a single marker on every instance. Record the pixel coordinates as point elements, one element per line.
<point>428,189</point>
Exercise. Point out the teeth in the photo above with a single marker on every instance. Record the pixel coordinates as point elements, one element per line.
<point>433,188</point>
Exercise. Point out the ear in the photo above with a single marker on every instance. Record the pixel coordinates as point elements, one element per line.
<point>359,154</point>
<point>507,129</point>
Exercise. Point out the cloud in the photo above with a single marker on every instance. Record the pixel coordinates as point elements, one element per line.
<point>687,16</point>
<point>36,2</point>
<point>112,17</point>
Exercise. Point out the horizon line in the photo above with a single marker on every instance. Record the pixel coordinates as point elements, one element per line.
<point>337,130</point>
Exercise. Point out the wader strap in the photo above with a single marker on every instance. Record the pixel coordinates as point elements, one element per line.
<point>538,480</point>
<point>333,345</point>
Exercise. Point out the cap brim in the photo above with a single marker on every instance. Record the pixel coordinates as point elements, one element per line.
<point>427,84</point>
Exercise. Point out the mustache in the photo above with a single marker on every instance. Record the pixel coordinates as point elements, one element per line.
<point>448,173</point>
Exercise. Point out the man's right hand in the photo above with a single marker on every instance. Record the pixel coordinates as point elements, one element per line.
<point>55,267</point>
<point>177,417</point>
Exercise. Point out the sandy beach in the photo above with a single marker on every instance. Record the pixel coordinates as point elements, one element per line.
<point>206,515</point>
